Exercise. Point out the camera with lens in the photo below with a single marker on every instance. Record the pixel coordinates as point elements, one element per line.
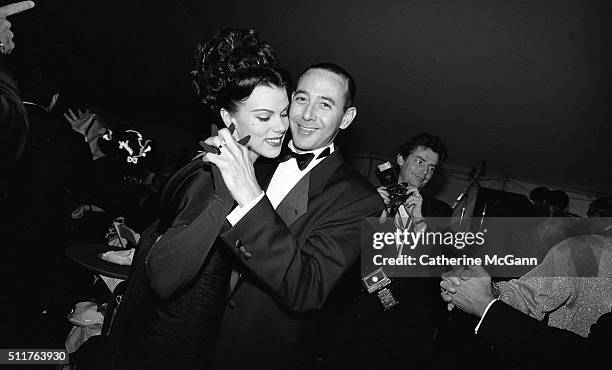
<point>397,192</point>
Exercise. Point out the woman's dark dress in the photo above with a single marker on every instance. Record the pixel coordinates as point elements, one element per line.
<point>170,313</point>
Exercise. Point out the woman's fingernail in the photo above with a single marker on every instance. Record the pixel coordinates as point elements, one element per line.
<point>244,140</point>
<point>209,149</point>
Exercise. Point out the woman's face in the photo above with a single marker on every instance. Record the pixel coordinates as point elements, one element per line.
<point>263,116</point>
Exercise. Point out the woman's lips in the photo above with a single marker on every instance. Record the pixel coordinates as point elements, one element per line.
<point>274,142</point>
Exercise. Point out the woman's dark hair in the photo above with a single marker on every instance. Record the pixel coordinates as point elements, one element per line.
<point>230,66</point>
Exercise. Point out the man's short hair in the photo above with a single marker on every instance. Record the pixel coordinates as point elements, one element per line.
<point>425,140</point>
<point>349,98</point>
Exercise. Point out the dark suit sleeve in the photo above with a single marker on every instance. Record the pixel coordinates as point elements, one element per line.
<point>178,255</point>
<point>301,274</point>
<point>13,118</point>
<point>512,332</point>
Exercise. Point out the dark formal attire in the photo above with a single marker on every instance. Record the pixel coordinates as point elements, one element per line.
<point>433,207</point>
<point>543,347</point>
<point>177,290</point>
<point>291,258</point>
<point>42,187</point>
<point>366,336</point>
<point>13,118</point>
<point>13,133</point>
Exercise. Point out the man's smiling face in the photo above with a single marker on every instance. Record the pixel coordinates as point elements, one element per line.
<point>317,110</point>
<point>418,167</point>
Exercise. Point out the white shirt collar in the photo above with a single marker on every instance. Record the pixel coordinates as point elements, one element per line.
<point>316,152</point>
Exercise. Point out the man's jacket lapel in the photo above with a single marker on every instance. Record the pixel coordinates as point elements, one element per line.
<point>295,204</point>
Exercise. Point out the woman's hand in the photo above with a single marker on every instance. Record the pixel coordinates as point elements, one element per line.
<point>382,191</point>
<point>234,163</point>
<point>80,211</point>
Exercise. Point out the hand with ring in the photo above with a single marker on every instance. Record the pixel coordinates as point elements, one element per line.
<point>217,150</point>
<point>469,289</point>
<point>234,161</point>
<point>6,35</point>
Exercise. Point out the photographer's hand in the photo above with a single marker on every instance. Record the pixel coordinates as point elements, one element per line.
<point>382,191</point>
<point>414,202</point>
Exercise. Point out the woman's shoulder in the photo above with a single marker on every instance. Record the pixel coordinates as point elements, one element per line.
<point>186,193</point>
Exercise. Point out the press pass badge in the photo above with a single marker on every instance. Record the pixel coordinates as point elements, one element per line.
<point>387,299</point>
<point>378,280</point>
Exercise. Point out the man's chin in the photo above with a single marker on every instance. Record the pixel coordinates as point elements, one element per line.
<point>303,144</point>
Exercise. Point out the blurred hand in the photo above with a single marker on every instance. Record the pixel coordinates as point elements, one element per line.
<point>6,35</point>
<point>382,191</point>
<point>80,211</point>
<point>81,122</point>
<point>84,208</point>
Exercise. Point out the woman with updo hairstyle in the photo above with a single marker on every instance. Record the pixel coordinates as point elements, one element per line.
<point>236,73</point>
<point>170,314</point>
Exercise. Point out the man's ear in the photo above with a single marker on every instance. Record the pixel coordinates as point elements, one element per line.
<point>226,117</point>
<point>400,160</point>
<point>348,117</point>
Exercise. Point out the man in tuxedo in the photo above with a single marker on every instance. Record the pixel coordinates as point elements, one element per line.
<point>293,243</point>
<point>530,341</point>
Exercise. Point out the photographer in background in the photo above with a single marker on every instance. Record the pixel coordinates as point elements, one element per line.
<point>401,331</point>
<point>417,160</point>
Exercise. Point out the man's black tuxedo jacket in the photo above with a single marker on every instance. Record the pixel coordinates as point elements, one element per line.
<point>297,254</point>
<point>13,122</point>
<point>290,259</point>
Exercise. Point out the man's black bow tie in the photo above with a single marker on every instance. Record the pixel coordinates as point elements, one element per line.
<point>303,160</point>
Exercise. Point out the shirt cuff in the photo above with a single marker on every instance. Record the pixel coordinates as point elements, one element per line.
<point>239,212</point>
<point>483,315</point>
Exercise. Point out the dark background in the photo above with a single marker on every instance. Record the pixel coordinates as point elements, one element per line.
<point>523,85</point>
